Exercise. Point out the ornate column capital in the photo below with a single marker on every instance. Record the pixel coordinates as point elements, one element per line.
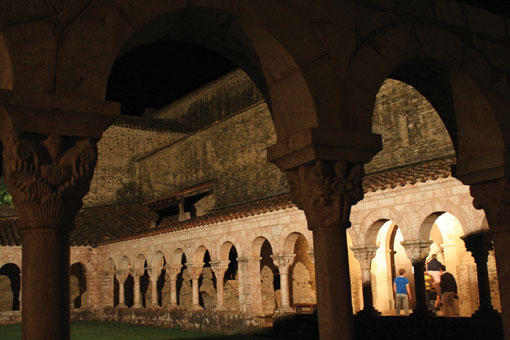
<point>154,273</point>
<point>136,273</point>
<point>219,267</point>
<point>173,269</point>
<point>479,245</point>
<point>122,275</point>
<point>364,255</point>
<point>494,198</point>
<point>195,269</point>
<point>283,262</point>
<point>417,250</point>
<point>326,190</point>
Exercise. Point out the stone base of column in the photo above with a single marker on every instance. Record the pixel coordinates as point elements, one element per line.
<point>121,305</point>
<point>173,307</point>
<point>285,310</point>
<point>220,309</point>
<point>422,313</point>
<point>196,308</point>
<point>155,307</point>
<point>368,313</point>
<point>485,313</point>
<point>136,306</point>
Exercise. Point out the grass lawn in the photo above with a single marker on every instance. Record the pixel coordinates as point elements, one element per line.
<point>89,330</point>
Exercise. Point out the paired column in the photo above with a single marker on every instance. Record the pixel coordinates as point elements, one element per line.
<point>479,245</point>
<point>122,276</point>
<point>195,270</point>
<point>283,262</point>
<point>494,198</point>
<point>154,274</point>
<point>417,251</point>
<point>173,271</point>
<point>365,256</point>
<point>136,288</point>
<point>219,268</point>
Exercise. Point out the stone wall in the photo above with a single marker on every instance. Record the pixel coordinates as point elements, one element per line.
<point>115,173</point>
<point>6,294</point>
<point>231,153</point>
<point>225,322</point>
<point>219,99</point>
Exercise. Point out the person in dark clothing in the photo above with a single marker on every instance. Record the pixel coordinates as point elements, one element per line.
<point>448,293</point>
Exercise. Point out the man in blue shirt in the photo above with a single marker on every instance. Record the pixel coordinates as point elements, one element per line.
<point>402,291</point>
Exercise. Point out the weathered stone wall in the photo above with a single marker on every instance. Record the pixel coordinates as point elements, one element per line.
<point>115,173</point>
<point>232,153</point>
<point>411,129</point>
<point>229,94</point>
<point>6,295</point>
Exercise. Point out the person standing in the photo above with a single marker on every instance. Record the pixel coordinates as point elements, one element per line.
<point>402,292</point>
<point>448,293</point>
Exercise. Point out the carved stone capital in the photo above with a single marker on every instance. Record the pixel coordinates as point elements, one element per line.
<point>173,270</point>
<point>122,275</point>
<point>283,262</point>
<point>219,267</point>
<point>136,273</point>
<point>494,198</point>
<point>326,190</point>
<point>47,176</point>
<point>479,245</point>
<point>154,273</point>
<point>417,250</point>
<point>364,255</point>
<point>195,270</point>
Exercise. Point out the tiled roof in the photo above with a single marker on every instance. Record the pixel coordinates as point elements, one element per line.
<point>102,225</point>
<point>93,225</point>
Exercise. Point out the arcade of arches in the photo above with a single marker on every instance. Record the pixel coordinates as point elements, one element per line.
<point>119,215</point>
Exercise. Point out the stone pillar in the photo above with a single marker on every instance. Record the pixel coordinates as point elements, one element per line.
<point>195,270</point>
<point>365,255</point>
<point>173,270</point>
<point>311,255</point>
<point>417,251</point>
<point>479,245</point>
<point>154,274</point>
<point>326,190</point>
<point>122,276</point>
<point>250,289</point>
<point>494,198</point>
<point>283,262</point>
<point>136,288</point>
<point>219,268</point>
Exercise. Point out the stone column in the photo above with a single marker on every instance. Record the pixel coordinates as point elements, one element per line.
<point>136,288</point>
<point>250,289</point>
<point>311,255</point>
<point>195,270</point>
<point>122,276</point>
<point>154,274</point>
<point>494,198</point>
<point>479,245</point>
<point>365,255</point>
<point>219,268</point>
<point>417,251</point>
<point>173,270</point>
<point>283,262</point>
<point>326,190</point>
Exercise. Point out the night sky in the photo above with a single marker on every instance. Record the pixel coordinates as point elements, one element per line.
<point>155,75</point>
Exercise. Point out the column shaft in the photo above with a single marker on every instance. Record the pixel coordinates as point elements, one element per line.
<point>284,288</point>
<point>154,292</point>
<point>173,291</point>
<point>122,296</point>
<point>333,284</point>
<point>419,288</point>
<point>368,300</point>
<point>502,251</point>
<point>45,272</point>
<point>220,299</point>
<point>136,291</point>
<point>196,300</point>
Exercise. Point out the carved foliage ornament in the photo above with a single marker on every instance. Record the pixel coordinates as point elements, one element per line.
<point>326,190</point>
<point>48,177</point>
<point>494,198</point>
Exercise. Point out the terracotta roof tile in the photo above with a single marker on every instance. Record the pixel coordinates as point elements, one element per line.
<point>103,225</point>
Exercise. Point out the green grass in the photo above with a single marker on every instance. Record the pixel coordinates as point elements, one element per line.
<point>90,330</point>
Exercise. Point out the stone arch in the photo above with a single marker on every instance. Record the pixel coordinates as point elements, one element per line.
<point>225,250</point>
<point>124,263</point>
<point>157,260</point>
<point>177,256</point>
<point>110,265</point>
<point>451,74</point>
<point>139,262</point>
<point>78,285</point>
<point>199,253</point>
<point>373,231</point>
<point>252,36</point>
<point>6,71</point>
<point>256,245</point>
<point>10,287</point>
<point>290,242</point>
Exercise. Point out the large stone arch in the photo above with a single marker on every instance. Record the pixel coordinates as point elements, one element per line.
<point>452,75</point>
<point>259,37</point>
